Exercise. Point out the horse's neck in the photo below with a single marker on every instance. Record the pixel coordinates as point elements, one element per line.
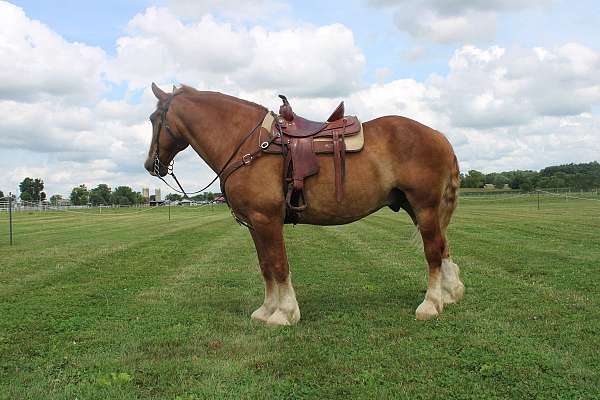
<point>217,124</point>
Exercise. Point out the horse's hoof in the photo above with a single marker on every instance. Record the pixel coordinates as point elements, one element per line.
<point>426,310</point>
<point>453,295</point>
<point>278,318</point>
<point>284,319</point>
<point>262,314</point>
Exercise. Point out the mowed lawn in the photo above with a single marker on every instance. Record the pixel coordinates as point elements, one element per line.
<point>140,307</point>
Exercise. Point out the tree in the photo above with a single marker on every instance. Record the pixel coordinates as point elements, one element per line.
<point>173,197</point>
<point>79,196</point>
<point>474,179</point>
<point>26,196</point>
<point>524,180</point>
<point>32,189</point>
<point>139,198</point>
<point>500,181</point>
<point>124,195</point>
<point>1,194</point>
<point>55,199</point>
<point>101,194</point>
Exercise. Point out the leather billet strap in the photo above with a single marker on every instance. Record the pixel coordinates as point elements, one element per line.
<point>339,164</point>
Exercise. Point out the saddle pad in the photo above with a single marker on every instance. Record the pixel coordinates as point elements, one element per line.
<point>353,143</point>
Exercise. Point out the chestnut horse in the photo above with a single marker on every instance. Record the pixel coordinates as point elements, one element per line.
<point>403,164</point>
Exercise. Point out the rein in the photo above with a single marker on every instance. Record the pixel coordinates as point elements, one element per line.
<point>246,159</point>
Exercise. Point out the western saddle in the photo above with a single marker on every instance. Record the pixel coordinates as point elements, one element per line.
<point>300,140</point>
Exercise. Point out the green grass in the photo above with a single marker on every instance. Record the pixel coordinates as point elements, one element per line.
<point>137,306</point>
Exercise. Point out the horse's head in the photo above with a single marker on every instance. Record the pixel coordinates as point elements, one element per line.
<point>167,140</point>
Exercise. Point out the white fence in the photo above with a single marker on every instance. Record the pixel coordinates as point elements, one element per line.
<point>18,206</point>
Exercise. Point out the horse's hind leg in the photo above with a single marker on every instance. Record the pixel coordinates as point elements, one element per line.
<point>434,245</point>
<point>452,287</point>
<point>280,306</point>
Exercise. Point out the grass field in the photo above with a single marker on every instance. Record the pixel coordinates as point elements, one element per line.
<point>140,307</point>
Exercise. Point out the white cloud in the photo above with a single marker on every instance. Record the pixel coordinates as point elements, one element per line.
<point>498,87</point>
<point>454,21</point>
<point>427,24</point>
<point>36,63</point>
<point>234,9</point>
<point>212,54</point>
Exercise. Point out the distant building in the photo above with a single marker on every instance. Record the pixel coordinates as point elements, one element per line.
<point>157,195</point>
<point>146,193</point>
<point>219,198</point>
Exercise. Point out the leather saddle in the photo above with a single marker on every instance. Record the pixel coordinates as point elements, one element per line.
<point>300,140</point>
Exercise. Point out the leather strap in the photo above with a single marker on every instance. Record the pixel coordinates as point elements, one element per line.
<point>339,163</point>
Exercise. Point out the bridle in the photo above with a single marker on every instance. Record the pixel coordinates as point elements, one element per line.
<point>246,159</point>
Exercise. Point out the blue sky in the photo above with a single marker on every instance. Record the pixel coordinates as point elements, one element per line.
<point>512,84</point>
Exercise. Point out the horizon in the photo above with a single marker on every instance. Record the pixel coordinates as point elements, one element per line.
<point>508,93</point>
<point>463,174</point>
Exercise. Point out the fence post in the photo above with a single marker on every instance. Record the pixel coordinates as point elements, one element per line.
<point>10,230</point>
<point>169,210</point>
<point>538,193</point>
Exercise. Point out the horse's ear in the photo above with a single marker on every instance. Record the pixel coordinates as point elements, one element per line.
<point>158,92</point>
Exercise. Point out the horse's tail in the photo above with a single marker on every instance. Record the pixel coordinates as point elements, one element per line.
<point>449,199</point>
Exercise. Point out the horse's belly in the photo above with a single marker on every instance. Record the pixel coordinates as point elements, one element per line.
<point>364,192</point>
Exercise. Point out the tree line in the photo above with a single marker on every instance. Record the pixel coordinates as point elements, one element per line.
<point>33,190</point>
<point>104,195</point>
<point>583,176</point>
<point>206,196</point>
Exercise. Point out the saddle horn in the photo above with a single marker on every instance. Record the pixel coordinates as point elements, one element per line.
<point>285,110</point>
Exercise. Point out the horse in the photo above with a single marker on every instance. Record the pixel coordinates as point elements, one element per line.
<point>403,165</point>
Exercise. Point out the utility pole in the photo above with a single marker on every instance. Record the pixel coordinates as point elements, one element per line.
<point>10,217</point>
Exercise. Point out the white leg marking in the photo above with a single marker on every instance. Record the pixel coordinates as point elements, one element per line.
<point>269,305</point>
<point>452,288</point>
<point>432,305</point>
<point>288,312</point>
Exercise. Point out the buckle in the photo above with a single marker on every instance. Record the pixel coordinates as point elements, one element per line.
<point>247,159</point>
<point>264,145</point>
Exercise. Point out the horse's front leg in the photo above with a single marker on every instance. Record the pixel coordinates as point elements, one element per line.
<point>280,306</point>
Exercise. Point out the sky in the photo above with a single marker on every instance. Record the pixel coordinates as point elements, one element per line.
<point>513,84</point>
